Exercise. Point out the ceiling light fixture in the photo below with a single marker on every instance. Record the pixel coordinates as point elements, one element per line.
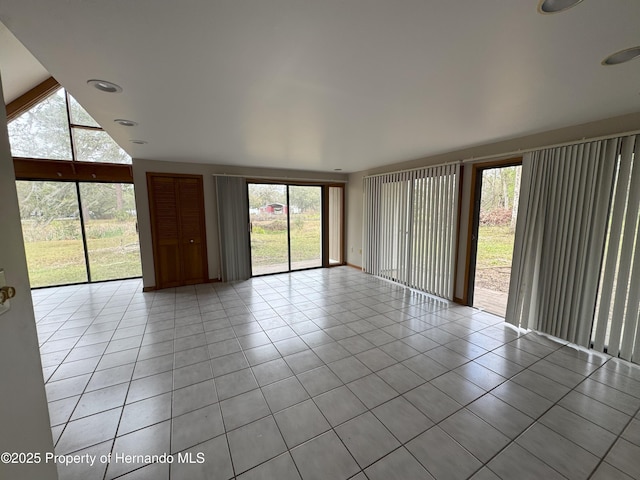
<point>337,169</point>
<point>556,6</point>
<point>125,123</point>
<point>139,142</point>
<point>105,86</point>
<point>622,56</point>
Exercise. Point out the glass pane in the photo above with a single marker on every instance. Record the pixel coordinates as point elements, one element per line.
<point>496,235</point>
<point>335,225</point>
<point>42,131</point>
<point>305,207</point>
<point>79,116</point>
<point>52,233</point>
<point>97,146</point>
<point>111,228</point>
<point>268,217</point>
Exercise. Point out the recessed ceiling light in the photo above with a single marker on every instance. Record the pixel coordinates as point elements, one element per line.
<point>139,142</point>
<point>105,86</point>
<point>556,6</point>
<point>125,123</point>
<point>622,56</point>
<point>337,169</point>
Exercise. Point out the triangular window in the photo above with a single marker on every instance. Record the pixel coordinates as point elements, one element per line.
<point>43,130</point>
<point>79,116</point>
<point>48,129</point>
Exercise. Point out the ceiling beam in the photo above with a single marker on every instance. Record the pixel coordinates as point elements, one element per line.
<point>66,170</point>
<point>32,97</point>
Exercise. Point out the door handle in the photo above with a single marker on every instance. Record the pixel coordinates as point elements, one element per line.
<point>191,241</point>
<point>6,293</point>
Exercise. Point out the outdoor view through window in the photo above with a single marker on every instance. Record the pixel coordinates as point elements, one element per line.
<point>496,234</point>
<point>74,232</point>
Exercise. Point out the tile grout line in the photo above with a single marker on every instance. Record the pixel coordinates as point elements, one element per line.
<point>81,394</point>
<point>618,437</point>
<point>587,377</point>
<point>401,305</point>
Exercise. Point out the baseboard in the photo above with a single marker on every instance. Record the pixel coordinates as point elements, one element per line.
<point>354,266</point>
<point>459,300</point>
<point>153,289</point>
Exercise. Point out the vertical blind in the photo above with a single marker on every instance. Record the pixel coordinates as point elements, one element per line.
<point>410,226</point>
<point>560,235</point>
<point>233,228</point>
<point>616,323</point>
<point>576,262</point>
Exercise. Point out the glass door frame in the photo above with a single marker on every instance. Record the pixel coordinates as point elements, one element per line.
<point>326,255</point>
<point>324,224</point>
<point>83,233</point>
<point>474,220</point>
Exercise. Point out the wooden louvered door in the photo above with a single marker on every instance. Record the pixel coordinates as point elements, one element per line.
<point>191,212</point>
<point>176,204</point>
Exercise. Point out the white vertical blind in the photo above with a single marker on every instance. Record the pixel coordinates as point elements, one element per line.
<point>233,228</point>
<point>616,324</point>
<point>410,226</point>
<point>560,236</point>
<point>335,224</point>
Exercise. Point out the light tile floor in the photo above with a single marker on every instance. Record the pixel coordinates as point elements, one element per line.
<point>324,374</point>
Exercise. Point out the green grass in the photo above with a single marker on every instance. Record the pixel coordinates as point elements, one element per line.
<point>495,247</point>
<point>58,262</point>
<point>55,262</point>
<point>269,239</point>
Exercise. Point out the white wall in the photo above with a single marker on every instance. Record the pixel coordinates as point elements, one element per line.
<point>24,417</point>
<point>142,166</point>
<point>609,126</point>
<point>353,240</point>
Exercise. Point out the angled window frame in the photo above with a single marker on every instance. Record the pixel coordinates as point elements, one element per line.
<point>72,171</point>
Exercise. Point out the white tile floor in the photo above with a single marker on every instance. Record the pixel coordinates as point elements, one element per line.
<point>324,374</point>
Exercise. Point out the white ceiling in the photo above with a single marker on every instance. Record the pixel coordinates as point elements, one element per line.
<point>326,84</point>
<point>19,69</point>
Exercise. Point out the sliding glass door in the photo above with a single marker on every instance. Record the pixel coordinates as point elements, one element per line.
<point>497,190</point>
<point>111,230</point>
<point>286,227</point>
<point>269,228</point>
<point>78,232</point>
<point>305,233</point>
<point>52,233</point>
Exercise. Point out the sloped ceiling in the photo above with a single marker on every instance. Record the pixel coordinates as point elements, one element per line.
<point>19,69</point>
<point>320,85</point>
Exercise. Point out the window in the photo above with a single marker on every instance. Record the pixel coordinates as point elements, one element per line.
<point>52,232</point>
<point>74,231</point>
<point>410,226</point>
<point>50,128</point>
<point>42,131</point>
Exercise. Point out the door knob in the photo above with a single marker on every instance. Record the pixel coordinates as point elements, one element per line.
<point>191,241</point>
<point>6,293</point>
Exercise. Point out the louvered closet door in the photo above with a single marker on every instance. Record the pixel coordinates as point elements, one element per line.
<point>192,230</point>
<point>178,230</point>
<point>163,203</point>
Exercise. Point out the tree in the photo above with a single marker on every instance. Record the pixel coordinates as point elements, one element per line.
<point>516,198</point>
<point>43,132</point>
<point>107,200</point>
<point>307,199</point>
<point>261,194</point>
<point>47,201</point>
<point>505,187</point>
